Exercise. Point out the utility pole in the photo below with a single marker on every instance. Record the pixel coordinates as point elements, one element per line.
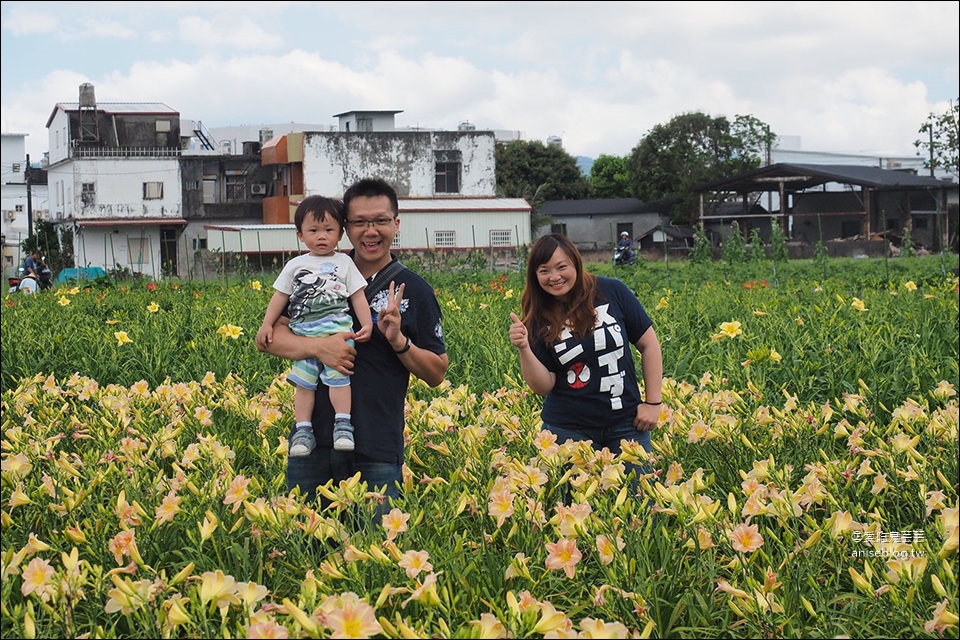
<point>28,175</point>
<point>931,151</point>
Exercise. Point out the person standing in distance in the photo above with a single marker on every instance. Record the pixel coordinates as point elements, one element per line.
<point>407,338</point>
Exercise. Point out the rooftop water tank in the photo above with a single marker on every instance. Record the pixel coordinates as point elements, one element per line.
<point>88,98</point>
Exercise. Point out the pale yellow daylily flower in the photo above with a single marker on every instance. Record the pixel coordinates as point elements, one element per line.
<point>229,331</point>
<point>729,330</point>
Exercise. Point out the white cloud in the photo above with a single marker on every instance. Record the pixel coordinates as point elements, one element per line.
<point>237,32</point>
<point>25,20</point>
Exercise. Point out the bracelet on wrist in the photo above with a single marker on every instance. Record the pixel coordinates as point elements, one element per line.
<point>653,404</point>
<point>405,348</point>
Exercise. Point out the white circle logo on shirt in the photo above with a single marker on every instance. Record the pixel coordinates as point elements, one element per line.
<point>578,375</point>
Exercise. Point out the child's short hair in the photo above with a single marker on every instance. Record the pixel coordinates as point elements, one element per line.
<point>319,207</point>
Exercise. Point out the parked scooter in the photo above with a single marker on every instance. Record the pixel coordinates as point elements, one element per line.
<point>31,283</point>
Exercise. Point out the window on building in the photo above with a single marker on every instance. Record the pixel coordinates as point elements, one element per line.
<point>236,188</point>
<point>199,243</point>
<point>560,228</point>
<point>501,238</point>
<point>396,242</point>
<point>209,190</point>
<point>88,187</point>
<point>193,185</point>
<point>448,165</point>
<point>138,250</point>
<point>16,167</point>
<point>445,238</point>
<point>919,223</point>
<point>364,124</point>
<point>163,126</point>
<point>152,190</point>
<point>19,208</point>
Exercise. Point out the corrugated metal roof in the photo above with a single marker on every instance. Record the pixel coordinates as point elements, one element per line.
<point>599,206</point>
<point>122,107</point>
<point>462,204</point>
<point>120,222</point>
<point>797,177</point>
<point>250,227</point>
<point>116,108</point>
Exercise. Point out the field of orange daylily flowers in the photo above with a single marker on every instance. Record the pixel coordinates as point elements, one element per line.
<point>803,480</point>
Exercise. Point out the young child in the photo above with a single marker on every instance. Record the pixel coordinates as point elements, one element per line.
<point>315,289</point>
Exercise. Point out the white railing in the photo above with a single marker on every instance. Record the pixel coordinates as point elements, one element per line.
<point>78,151</point>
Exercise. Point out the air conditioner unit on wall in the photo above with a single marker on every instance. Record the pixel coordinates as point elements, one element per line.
<point>10,214</point>
<point>258,189</point>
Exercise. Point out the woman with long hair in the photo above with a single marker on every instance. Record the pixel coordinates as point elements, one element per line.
<point>574,345</point>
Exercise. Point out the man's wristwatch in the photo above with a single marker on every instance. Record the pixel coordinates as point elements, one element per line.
<point>405,348</point>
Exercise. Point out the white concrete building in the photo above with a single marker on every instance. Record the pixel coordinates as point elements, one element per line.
<point>114,175</point>
<point>17,207</point>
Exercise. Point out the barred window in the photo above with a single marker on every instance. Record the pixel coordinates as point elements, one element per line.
<point>501,238</point>
<point>445,238</point>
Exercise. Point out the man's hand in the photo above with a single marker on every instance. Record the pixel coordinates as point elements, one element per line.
<point>389,317</point>
<point>334,352</point>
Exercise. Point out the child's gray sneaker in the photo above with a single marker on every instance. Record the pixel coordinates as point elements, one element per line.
<point>302,442</point>
<point>343,435</point>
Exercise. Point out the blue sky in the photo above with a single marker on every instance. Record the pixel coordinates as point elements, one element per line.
<point>850,77</point>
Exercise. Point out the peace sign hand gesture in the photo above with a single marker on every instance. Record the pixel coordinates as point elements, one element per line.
<point>388,320</point>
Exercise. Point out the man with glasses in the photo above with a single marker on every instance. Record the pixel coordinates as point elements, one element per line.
<point>407,338</point>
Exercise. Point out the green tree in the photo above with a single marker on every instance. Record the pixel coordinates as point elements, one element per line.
<point>691,149</point>
<point>609,177</point>
<point>941,146</point>
<point>538,172</point>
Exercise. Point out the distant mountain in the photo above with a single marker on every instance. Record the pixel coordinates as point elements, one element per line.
<point>585,164</point>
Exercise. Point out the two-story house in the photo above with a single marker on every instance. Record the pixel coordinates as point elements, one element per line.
<point>114,175</point>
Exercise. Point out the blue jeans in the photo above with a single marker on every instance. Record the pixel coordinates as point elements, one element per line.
<point>324,464</point>
<point>609,437</point>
